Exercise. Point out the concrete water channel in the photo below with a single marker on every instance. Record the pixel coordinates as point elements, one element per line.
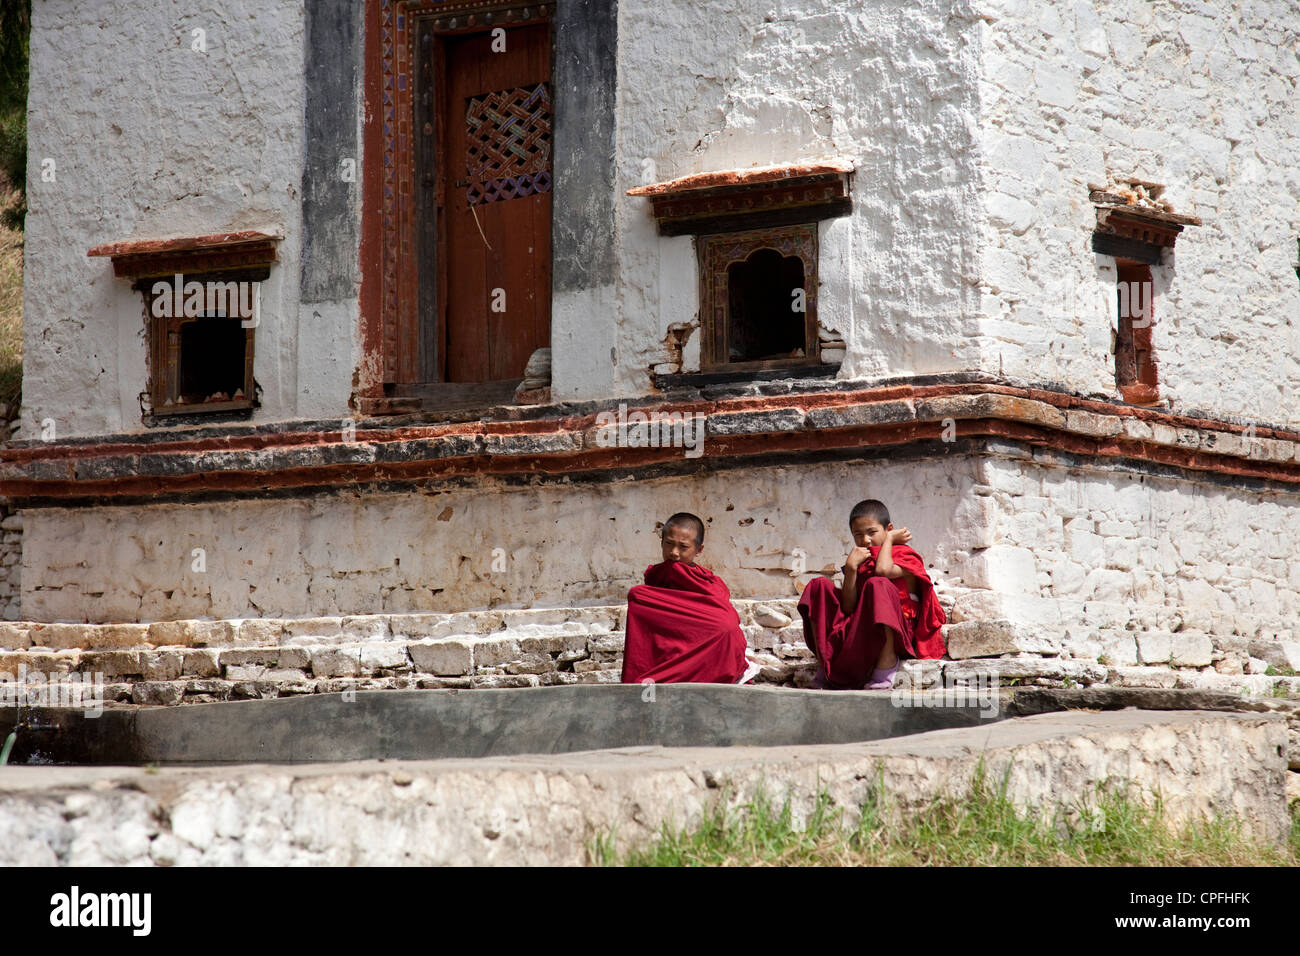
<point>533,776</point>
<point>435,724</point>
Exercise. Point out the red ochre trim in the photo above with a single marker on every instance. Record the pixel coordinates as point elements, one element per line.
<point>744,177</point>
<point>368,376</point>
<point>1059,436</point>
<point>219,240</point>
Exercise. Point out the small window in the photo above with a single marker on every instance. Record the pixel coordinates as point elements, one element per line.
<point>201,341</point>
<point>1135,360</point>
<point>759,298</point>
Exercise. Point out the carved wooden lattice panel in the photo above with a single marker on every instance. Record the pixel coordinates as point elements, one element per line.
<point>509,152</point>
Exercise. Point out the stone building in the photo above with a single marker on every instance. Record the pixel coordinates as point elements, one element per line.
<point>339,309</point>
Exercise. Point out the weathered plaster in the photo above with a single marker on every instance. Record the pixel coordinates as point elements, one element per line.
<point>158,140</point>
<point>1198,97</point>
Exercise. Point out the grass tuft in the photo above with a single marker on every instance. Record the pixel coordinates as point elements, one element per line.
<point>984,828</point>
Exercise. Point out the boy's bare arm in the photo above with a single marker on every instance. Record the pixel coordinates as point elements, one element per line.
<point>885,566</point>
<point>849,593</point>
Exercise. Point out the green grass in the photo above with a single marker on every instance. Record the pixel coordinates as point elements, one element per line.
<point>11,314</point>
<point>983,829</point>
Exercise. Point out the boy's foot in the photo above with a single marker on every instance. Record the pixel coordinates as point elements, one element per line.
<point>882,679</point>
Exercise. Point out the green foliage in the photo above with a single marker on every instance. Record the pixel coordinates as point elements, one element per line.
<point>983,828</point>
<point>15,28</point>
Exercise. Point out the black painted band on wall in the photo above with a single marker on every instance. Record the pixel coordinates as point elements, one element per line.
<point>331,228</point>
<point>584,74</point>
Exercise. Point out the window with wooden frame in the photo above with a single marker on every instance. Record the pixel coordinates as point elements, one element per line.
<point>201,310</point>
<point>1135,359</point>
<point>758,299</point>
<point>201,340</point>
<point>1135,225</point>
<point>756,237</point>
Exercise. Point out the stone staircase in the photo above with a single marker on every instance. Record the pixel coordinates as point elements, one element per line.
<point>194,661</point>
<point>176,662</point>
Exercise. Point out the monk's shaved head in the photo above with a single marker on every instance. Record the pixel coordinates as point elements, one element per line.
<point>687,521</point>
<point>870,508</point>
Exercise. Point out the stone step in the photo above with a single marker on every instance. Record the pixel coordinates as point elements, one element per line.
<point>261,632</point>
<point>201,661</point>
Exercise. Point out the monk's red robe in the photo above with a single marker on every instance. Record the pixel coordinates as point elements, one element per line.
<point>848,647</point>
<point>681,628</point>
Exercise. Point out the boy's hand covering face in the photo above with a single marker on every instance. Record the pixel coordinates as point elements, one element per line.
<point>857,556</point>
<point>868,532</point>
<point>679,544</point>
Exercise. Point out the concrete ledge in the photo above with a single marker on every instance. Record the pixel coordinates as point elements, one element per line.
<point>545,810</point>
<point>129,468</point>
<point>422,725</point>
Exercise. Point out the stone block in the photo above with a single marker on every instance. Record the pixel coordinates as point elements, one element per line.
<point>600,677</point>
<point>755,422</point>
<point>768,616</point>
<point>609,644</point>
<point>495,650</point>
<point>439,683</point>
<point>161,665</point>
<point>113,663</point>
<point>299,657</point>
<point>1154,647</point>
<point>978,604</point>
<point>14,636</point>
<point>417,626</point>
<point>1144,677</point>
<point>506,680</point>
<point>218,689</point>
<point>553,643</point>
<point>261,674</point>
<point>872,413</point>
<point>759,637</point>
<point>364,627</point>
<point>58,636</point>
<point>176,633</point>
<point>165,693</point>
<point>313,627</point>
<point>258,630</point>
<point>993,638</point>
<point>798,652</point>
<point>251,657</point>
<point>1191,650</point>
<point>531,664</point>
<point>1002,568</point>
<point>445,658</point>
<point>336,661</point>
<point>383,655</point>
<point>1119,648</point>
<point>201,662</point>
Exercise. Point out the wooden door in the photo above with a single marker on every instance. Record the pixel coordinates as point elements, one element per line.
<point>491,298</point>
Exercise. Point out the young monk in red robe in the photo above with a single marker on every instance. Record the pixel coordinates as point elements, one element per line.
<point>886,610</point>
<point>681,626</point>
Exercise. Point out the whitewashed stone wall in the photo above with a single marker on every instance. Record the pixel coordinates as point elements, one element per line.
<point>892,88</point>
<point>553,545</point>
<point>151,138</point>
<point>11,536</point>
<point>1094,554</point>
<point>1197,96</point>
<point>975,129</point>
